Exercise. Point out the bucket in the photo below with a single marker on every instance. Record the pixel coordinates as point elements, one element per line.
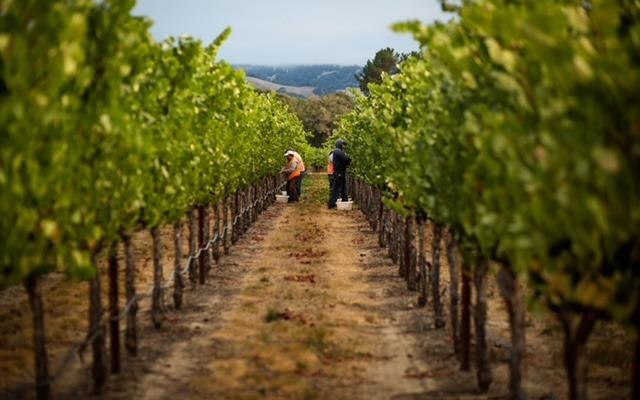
<point>282,198</point>
<point>344,205</point>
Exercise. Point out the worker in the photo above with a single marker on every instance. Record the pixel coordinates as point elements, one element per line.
<point>298,159</point>
<point>341,162</point>
<point>330,169</point>
<point>292,172</point>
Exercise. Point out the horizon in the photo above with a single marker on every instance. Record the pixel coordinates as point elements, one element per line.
<point>289,32</point>
<point>296,65</point>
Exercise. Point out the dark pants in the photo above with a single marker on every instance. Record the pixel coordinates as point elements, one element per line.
<point>292,189</point>
<point>299,183</point>
<point>330,181</point>
<point>339,188</point>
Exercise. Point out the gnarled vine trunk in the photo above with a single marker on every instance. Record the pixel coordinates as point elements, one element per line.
<point>422,265</point>
<point>465,319</point>
<point>225,231</point>
<point>43,387</point>
<point>178,284</point>
<point>435,276</point>
<point>483,369</point>
<point>454,287</point>
<point>510,291</point>
<point>635,378</point>
<point>157,299</point>
<point>202,259</point>
<point>131,333</point>
<point>96,332</point>
<point>577,329</point>
<point>114,323</point>
<point>410,254</point>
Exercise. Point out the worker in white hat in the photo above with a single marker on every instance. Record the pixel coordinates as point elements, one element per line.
<point>292,172</point>
<point>298,159</point>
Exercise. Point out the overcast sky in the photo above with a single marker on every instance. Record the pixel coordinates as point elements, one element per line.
<point>280,32</point>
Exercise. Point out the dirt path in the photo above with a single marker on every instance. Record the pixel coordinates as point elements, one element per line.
<point>308,306</point>
<point>297,311</point>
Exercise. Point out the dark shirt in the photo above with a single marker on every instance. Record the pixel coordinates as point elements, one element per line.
<point>340,161</point>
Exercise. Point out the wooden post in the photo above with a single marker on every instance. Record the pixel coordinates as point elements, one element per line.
<point>402,267</point>
<point>435,276</point>
<point>374,209</point>
<point>216,231</point>
<point>390,226</point>
<point>368,203</point>
<point>43,387</point>
<point>225,221</point>
<point>247,205</point>
<point>265,193</point>
<point>114,323</point>
<point>241,214</point>
<point>235,218</point>
<point>254,206</point>
<point>410,253</point>
<point>398,242</point>
<point>131,335</point>
<point>219,225</point>
<point>422,264</point>
<point>178,284</point>
<point>99,366</point>
<point>193,237</point>
<point>157,300</point>
<point>392,236</point>
<point>508,285</point>
<point>382,216</point>
<point>207,238</point>
<point>465,320</point>
<point>454,287</point>
<point>483,369</point>
<point>202,216</point>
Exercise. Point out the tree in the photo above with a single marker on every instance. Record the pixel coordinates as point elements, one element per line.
<point>320,115</point>
<point>385,60</point>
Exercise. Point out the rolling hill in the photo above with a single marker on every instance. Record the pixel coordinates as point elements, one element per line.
<point>297,79</point>
<point>296,91</point>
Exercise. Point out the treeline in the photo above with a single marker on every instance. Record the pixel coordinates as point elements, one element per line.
<point>105,132</point>
<point>517,133</point>
<point>320,115</point>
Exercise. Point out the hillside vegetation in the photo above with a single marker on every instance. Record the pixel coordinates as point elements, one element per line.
<point>325,78</point>
<point>295,91</point>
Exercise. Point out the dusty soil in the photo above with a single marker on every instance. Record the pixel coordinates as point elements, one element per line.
<point>305,306</point>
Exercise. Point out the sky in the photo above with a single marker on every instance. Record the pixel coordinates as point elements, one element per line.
<point>286,32</point>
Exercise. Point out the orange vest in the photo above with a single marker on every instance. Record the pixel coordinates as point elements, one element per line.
<point>298,158</point>
<point>297,172</point>
<point>330,168</point>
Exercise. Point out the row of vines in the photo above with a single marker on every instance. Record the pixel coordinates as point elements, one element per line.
<point>105,132</point>
<point>516,133</point>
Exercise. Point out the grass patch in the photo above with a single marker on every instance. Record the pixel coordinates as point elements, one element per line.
<point>273,315</point>
<point>318,340</point>
<point>315,189</point>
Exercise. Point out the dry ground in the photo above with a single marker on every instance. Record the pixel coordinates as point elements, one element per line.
<point>306,306</point>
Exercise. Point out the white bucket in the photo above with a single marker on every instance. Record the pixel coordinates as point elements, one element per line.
<point>283,193</point>
<point>344,205</point>
<point>282,198</point>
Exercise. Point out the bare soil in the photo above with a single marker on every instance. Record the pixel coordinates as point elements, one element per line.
<point>306,306</point>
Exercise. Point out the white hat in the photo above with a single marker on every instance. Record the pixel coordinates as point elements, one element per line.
<point>289,153</point>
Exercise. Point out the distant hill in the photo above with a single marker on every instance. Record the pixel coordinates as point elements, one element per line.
<point>295,91</point>
<point>325,79</point>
